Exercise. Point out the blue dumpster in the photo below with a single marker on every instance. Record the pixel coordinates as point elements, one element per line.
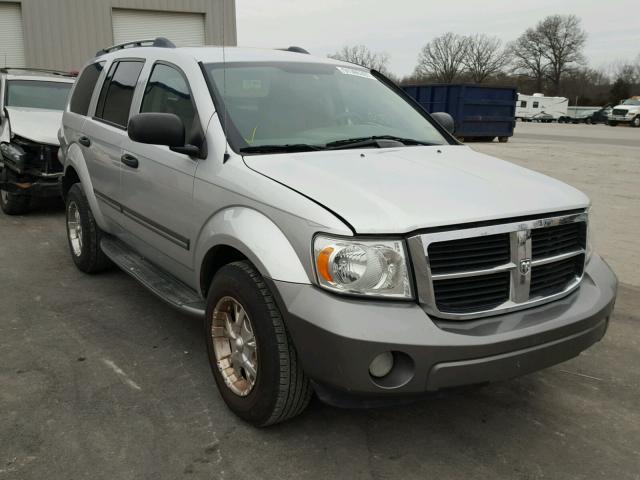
<point>481,112</point>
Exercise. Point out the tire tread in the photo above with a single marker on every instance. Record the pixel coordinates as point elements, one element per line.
<point>295,389</point>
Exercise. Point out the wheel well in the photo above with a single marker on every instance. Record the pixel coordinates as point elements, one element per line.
<point>214,260</point>
<point>70,177</point>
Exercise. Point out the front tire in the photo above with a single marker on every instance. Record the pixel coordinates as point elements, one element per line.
<point>252,357</point>
<point>635,123</point>
<point>612,124</point>
<point>14,204</point>
<point>83,233</point>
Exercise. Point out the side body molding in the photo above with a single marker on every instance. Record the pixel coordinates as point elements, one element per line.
<point>75,159</point>
<point>256,237</point>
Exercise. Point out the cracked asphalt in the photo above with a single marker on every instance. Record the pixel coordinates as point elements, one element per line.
<point>101,380</point>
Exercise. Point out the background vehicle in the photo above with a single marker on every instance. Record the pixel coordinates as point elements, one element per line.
<point>333,235</point>
<point>627,112</point>
<point>578,114</point>
<point>600,116</point>
<point>31,105</point>
<point>530,107</point>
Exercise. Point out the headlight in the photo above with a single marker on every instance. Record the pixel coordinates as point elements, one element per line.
<point>15,154</point>
<point>362,267</point>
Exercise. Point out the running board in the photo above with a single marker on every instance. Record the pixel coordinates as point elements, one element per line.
<point>159,282</point>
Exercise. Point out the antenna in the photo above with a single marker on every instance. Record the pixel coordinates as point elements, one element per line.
<point>224,82</point>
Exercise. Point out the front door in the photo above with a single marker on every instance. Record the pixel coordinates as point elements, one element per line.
<point>157,184</point>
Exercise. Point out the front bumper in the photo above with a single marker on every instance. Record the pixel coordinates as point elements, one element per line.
<point>337,338</point>
<point>620,118</point>
<point>40,187</point>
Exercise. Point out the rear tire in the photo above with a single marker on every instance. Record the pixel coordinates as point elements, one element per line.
<point>259,377</point>
<point>14,204</point>
<point>83,233</point>
<point>503,139</point>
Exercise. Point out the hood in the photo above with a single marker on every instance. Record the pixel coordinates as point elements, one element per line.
<point>631,108</point>
<point>35,124</point>
<point>405,189</point>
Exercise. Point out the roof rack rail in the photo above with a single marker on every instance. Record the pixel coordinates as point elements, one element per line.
<point>62,73</point>
<point>159,42</point>
<point>295,50</point>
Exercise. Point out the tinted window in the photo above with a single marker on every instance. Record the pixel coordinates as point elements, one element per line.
<point>117,92</point>
<point>535,104</point>
<point>523,104</point>
<point>168,92</point>
<point>84,88</point>
<point>38,94</point>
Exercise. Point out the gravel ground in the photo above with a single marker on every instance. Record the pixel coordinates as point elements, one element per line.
<point>101,380</point>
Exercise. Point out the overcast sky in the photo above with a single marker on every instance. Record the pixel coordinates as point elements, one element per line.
<point>401,27</point>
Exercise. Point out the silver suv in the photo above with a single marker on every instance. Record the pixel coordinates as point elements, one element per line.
<point>333,236</point>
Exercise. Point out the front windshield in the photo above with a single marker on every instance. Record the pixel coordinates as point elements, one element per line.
<point>631,101</point>
<point>38,94</point>
<point>313,104</point>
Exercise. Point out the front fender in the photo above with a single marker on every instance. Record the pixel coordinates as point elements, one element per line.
<point>256,237</point>
<point>75,159</point>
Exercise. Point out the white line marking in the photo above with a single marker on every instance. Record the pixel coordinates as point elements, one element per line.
<point>120,372</point>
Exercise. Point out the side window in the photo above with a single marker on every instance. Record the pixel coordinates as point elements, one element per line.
<point>117,92</point>
<point>523,104</point>
<point>84,88</point>
<point>535,104</point>
<point>168,92</point>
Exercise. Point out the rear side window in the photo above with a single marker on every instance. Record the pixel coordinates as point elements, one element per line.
<point>168,92</point>
<point>523,104</point>
<point>117,92</point>
<point>84,88</point>
<point>535,104</point>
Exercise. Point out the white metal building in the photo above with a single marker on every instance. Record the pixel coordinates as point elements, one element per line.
<point>64,34</point>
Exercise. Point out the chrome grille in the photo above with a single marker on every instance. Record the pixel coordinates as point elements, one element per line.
<point>619,112</point>
<point>482,271</point>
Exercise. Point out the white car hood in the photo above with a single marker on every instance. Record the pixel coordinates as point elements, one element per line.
<point>35,124</point>
<point>404,189</point>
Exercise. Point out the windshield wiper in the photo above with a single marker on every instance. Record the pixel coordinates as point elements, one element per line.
<point>296,147</point>
<point>360,142</point>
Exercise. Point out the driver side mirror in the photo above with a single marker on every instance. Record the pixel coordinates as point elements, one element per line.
<point>161,129</point>
<point>445,120</point>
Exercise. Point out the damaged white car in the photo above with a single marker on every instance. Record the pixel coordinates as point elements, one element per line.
<point>31,105</point>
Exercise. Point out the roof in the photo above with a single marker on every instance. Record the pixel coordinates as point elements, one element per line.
<point>38,75</point>
<point>229,54</point>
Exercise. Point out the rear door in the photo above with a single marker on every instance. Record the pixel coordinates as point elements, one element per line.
<point>157,192</point>
<point>105,133</point>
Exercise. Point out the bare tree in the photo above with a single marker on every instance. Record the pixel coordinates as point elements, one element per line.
<point>361,55</point>
<point>528,58</point>
<point>562,40</point>
<point>442,58</point>
<point>484,57</point>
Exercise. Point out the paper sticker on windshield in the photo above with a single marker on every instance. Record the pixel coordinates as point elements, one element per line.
<point>355,71</point>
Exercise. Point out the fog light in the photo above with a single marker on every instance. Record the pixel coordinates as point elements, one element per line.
<point>381,365</point>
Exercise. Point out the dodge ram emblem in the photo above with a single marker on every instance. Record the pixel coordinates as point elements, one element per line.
<point>525,266</point>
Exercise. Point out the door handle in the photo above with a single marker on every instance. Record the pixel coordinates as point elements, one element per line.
<point>85,141</point>
<point>129,160</point>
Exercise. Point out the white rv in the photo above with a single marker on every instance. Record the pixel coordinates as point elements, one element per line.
<point>537,107</point>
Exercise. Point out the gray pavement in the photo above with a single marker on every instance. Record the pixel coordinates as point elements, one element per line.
<point>101,380</point>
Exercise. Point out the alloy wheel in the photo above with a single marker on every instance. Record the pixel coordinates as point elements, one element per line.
<point>74,228</point>
<point>234,345</point>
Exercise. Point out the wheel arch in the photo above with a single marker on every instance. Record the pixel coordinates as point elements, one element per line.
<point>239,232</point>
<point>76,171</point>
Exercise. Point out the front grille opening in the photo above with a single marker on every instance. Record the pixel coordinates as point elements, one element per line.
<point>555,277</point>
<point>472,294</point>
<point>476,253</point>
<point>559,239</point>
